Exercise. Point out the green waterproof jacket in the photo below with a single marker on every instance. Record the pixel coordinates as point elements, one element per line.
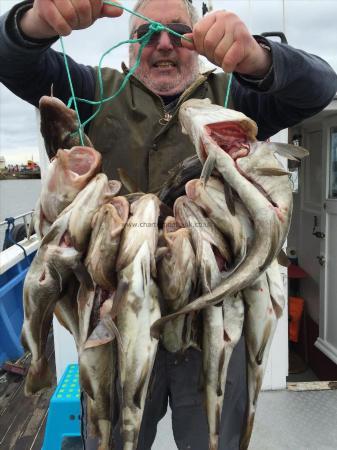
<point>135,133</point>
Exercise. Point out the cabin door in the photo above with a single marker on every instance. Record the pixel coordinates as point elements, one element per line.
<point>277,367</point>
<point>327,341</point>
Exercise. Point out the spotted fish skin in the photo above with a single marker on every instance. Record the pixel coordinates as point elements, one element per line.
<point>44,285</point>
<point>264,300</point>
<point>139,309</point>
<point>221,325</point>
<point>177,280</point>
<point>267,198</point>
<point>59,126</point>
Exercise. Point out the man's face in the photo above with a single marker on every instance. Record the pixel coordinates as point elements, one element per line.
<point>165,68</point>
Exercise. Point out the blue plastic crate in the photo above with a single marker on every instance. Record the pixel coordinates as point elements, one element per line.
<point>64,415</point>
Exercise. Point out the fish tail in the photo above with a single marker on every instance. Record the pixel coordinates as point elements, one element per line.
<point>138,397</point>
<point>24,341</point>
<point>244,442</point>
<point>39,377</point>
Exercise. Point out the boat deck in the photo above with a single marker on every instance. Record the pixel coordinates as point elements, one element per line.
<point>284,420</point>
<point>23,419</point>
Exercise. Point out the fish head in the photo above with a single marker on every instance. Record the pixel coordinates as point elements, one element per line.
<point>59,125</point>
<point>78,165</point>
<point>69,172</point>
<point>173,234</point>
<point>191,216</point>
<point>142,226</point>
<point>206,123</point>
<point>107,226</point>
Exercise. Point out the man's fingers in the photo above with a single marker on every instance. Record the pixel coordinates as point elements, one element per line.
<point>215,38</point>
<point>84,12</point>
<point>233,57</point>
<point>111,11</point>
<point>55,20</point>
<point>68,12</point>
<point>96,8</point>
<point>200,30</point>
<point>187,44</point>
<point>223,47</point>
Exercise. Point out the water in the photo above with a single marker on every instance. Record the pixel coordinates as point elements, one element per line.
<point>17,197</point>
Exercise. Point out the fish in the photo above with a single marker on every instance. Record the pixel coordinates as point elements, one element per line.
<point>140,308</point>
<point>66,309</point>
<point>178,176</point>
<point>59,126</point>
<point>98,367</point>
<point>44,285</point>
<point>98,191</point>
<point>265,300</point>
<point>211,198</point>
<point>177,281</point>
<point>267,198</point>
<point>138,229</point>
<point>221,325</point>
<point>69,172</point>
<point>107,226</point>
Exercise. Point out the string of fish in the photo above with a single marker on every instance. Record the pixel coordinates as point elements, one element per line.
<point>155,27</point>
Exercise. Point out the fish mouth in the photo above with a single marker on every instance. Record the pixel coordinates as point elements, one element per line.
<point>229,136</point>
<point>233,139</point>
<point>81,160</point>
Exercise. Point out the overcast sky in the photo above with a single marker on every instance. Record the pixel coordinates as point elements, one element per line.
<point>308,24</point>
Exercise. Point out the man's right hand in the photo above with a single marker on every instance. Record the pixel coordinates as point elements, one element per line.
<point>50,18</point>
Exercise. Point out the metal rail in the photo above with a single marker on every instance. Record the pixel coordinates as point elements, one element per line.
<point>29,213</point>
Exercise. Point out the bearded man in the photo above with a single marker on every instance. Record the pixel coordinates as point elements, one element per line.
<point>274,84</point>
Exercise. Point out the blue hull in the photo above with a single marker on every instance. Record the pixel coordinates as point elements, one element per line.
<point>11,310</point>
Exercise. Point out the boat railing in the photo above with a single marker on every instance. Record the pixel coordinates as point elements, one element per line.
<point>14,265</point>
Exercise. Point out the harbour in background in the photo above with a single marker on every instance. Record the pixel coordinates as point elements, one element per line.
<point>17,197</point>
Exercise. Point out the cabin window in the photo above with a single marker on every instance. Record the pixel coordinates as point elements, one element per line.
<point>333,164</point>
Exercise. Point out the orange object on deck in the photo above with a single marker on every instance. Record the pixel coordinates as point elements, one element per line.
<point>296,308</point>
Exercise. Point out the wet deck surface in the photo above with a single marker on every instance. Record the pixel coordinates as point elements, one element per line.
<point>22,419</point>
<point>285,420</point>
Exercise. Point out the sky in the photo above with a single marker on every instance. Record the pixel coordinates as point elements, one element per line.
<point>308,24</point>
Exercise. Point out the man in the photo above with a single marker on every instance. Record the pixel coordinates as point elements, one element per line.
<point>274,84</point>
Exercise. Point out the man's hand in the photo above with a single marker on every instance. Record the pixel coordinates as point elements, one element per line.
<point>225,41</point>
<point>49,18</point>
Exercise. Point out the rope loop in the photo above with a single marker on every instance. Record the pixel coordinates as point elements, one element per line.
<point>154,27</point>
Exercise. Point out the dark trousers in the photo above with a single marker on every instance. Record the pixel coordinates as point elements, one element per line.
<point>177,380</point>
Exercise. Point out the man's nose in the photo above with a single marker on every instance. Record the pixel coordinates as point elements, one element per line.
<point>164,41</point>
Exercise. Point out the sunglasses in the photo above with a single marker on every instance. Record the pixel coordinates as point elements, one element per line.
<point>179,28</point>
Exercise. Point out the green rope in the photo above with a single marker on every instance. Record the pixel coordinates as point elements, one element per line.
<point>230,78</point>
<point>143,41</point>
<point>80,128</point>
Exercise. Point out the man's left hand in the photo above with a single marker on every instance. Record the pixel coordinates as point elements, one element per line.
<point>225,41</point>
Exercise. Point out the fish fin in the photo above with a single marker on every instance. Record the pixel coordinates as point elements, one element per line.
<point>105,332</point>
<point>207,169</point>
<point>160,253</point>
<point>265,339</point>
<point>219,389</point>
<point>271,171</point>
<point>127,181</point>
<point>183,130</point>
<point>229,195</point>
<point>39,377</point>
<point>137,398</point>
<point>119,297</point>
<point>83,276</point>
<point>283,259</point>
<point>218,420</point>
<point>289,151</point>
